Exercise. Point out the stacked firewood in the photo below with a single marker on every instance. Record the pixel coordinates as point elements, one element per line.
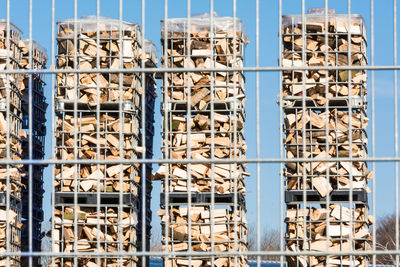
<point>215,122</point>
<point>205,86</point>
<point>114,51</point>
<point>97,231</point>
<point>223,89</point>
<point>205,226</point>
<point>320,51</point>
<point>225,127</point>
<point>10,142</point>
<point>92,136</point>
<point>330,126</point>
<point>325,130</point>
<point>109,134</point>
<point>307,230</point>
<point>35,84</point>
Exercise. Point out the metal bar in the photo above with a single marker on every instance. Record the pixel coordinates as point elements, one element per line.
<point>396,129</point>
<point>372,49</point>
<point>30,147</point>
<point>231,69</point>
<point>258,154</point>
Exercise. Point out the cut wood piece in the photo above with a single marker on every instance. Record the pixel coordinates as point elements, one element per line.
<point>318,121</point>
<point>113,140</point>
<point>291,119</point>
<point>322,185</point>
<point>3,123</point>
<point>195,99</point>
<point>180,173</point>
<point>93,140</point>
<point>219,141</point>
<point>87,184</point>
<point>195,263</point>
<point>319,245</point>
<point>221,262</point>
<point>220,117</point>
<point>339,230</point>
<point>341,213</point>
<point>348,166</point>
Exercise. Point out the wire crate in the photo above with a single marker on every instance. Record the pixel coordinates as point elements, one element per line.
<point>212,103</point>
<point>223,229</point>
<point>325,117</point>
<point>307,230</point>
<point>217,47</point>
<point>324,44</point>
<point>87,229</point>
<point>320,140</point>
<point>86,145</point>
<point>228,143</point>
<point>115,52</point>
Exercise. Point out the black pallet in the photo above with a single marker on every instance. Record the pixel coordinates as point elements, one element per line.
<point>202,198</point>
<point>69,105</point>
<point>37,213</point>
<point>14,201</point>
<point>296,196</point>
<point>67,198</point>
<point>344,102</point>
<point>222,107</point>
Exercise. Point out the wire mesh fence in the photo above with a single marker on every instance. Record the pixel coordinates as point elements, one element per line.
<point>259,151</point>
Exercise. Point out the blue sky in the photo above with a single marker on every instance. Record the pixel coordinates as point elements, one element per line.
<point>269,82</point>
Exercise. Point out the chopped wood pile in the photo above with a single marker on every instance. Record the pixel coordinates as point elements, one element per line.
<point>113,52</point>
<point>97,231</point>
<point>37,116</point>
<point>320,51</point>
<point>324,129</point>
<point>225,127</point>
<point>205,225</point>
<point>97,129</point>
<point>215,122</point>
<point>10,141</point>
<point>92,132</point>
<point>348,230</point>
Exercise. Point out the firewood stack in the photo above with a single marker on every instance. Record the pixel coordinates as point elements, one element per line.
<point>212,129</point>
<point>348,230</point>
<point>38,117</point>
<point>95,230</point>
<point>325,117</point>
<point>10,126</point>
<point>99,118</point>
<point>224,230</point>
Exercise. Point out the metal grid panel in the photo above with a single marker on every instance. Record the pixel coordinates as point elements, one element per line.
<point>305,135</point>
